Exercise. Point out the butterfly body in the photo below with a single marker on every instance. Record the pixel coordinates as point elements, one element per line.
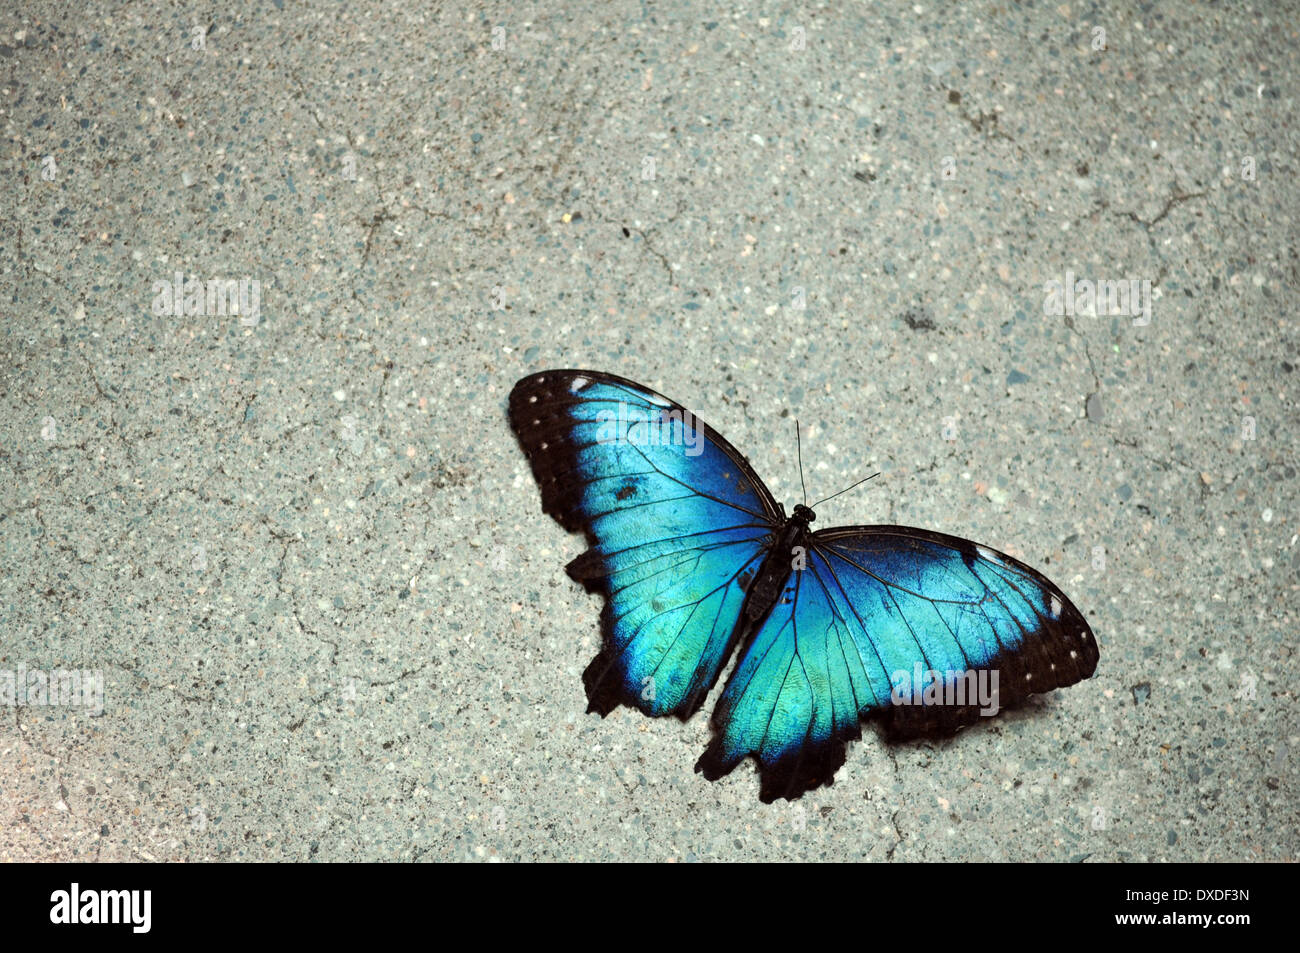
<point>698,563</point>
<point>774,573</point>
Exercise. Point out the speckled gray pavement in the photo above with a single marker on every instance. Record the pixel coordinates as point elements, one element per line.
<point>305,552</point>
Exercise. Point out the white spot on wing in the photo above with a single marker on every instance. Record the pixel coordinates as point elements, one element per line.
<point>986,553</point>
<point>578,384</point>
<point>1056,607</point>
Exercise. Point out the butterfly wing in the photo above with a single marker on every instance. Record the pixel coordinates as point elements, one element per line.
<point>876,610</point>
<point>678,524</point>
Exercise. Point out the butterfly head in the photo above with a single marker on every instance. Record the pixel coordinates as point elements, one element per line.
<point>802,512</point>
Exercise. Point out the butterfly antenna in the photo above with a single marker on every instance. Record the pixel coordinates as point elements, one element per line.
<point>846,489</point>
<point>798,442</point>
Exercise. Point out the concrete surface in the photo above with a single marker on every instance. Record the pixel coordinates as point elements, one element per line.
<point>305,554</point>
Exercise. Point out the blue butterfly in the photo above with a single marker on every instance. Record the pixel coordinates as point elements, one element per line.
<point>696,560</point>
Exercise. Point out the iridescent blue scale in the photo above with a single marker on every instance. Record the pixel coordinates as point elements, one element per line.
<point>696,561</point>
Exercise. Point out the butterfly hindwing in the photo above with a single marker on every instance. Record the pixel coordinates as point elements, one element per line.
<point>678,524</point>
<point>879,616</point>
<point>791,701</point>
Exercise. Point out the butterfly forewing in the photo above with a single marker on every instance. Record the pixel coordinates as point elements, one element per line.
<point>677,521</point>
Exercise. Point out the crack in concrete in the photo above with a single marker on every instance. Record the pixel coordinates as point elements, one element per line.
<point>1176,197</point>
<point>1092,366</point>
<point>893,818</point>
<point>663,259</point>
<point>1132,444</point>
<point>406,673</point>
<point>477,230</point>
<point>287,540</point>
